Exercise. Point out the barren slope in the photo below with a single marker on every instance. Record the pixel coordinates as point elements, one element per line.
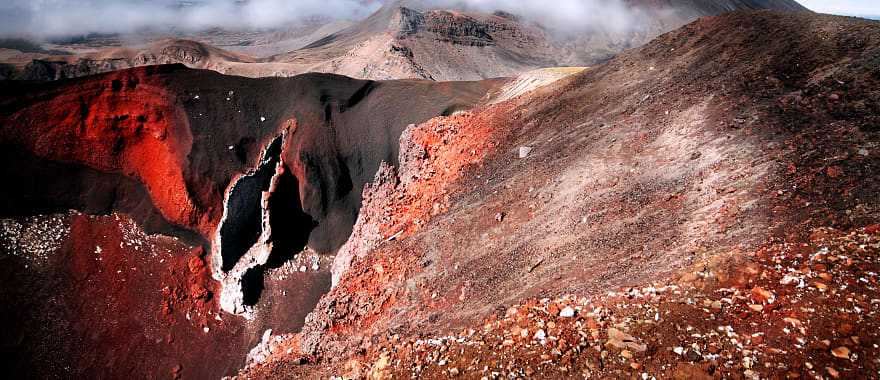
<point>708,147</point>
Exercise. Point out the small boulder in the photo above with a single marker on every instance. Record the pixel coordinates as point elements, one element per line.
<point>499,217</point>
<point>622,340</point>
<point>567,312</point>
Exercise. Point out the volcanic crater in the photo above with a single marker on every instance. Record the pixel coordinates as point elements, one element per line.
<point>686,209</point>
<point>261,168</point>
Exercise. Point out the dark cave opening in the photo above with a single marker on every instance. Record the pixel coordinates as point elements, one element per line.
<point>252,285</point>
<point>291,228</point>
<point>242,225</point>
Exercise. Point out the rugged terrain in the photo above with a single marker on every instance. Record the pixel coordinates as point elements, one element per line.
<point>403,39</point>
<point>173,176</point>
<point>702,206</point>
<point>715,182</point>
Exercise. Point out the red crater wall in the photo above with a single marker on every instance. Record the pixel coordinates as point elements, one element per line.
<point>157,148</point>
<point>125,122</point>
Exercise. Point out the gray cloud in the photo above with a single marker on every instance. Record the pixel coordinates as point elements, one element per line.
<point>61,18</point>
<point>572,15</point>
<point>57,18</point>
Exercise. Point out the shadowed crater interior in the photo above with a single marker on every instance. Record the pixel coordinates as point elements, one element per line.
<point>243,223</point>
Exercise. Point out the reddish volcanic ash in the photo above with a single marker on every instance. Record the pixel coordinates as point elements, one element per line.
<point>161,146</point>
<point>125,122</point>
<point>184,134</point>
<point>104,295</point>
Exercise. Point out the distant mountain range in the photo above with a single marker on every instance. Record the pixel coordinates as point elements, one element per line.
<point>403,39</point>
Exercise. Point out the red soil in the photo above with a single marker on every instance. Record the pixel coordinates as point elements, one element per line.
<point>786,310</point>
<point>111,285</point>
<point>126,122</point>
<point>452,146</point>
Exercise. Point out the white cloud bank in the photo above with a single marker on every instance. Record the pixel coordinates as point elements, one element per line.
<point>844,7</point>
<point>61,18</point>
<point>56,18</point>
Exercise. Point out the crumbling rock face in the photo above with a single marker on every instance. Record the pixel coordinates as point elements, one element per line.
<point>183,54</point>
<point>433,157</point>
<point>449,27</point>
<point>269,345</point>
<point>173,149</point>
<point>366,233</point>
<point>412,157</point>
<point>409,21</point>
<point>389,185</point>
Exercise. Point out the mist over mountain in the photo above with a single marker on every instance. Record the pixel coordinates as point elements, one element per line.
<point>65,18</point>
<point>62,18</point>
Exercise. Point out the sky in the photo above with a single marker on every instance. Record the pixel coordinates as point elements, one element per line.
<point>844,7</point>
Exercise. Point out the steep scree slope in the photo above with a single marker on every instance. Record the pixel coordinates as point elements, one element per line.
<point>672,160</point>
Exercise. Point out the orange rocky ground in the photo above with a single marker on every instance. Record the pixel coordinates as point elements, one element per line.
<point>703,177</point>
<point>785,311</point>
<point>696,170</point>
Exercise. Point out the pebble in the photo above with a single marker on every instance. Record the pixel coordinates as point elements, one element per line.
<point>753,349</point>
<point>499,217</point>
<point>833,372</point>
<point>762,295</point>
<point>540,335</point>
<point>840,352</point>
<point>567,312</point>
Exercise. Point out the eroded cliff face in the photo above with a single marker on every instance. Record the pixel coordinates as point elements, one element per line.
<point>258,182</point>
<point>454,27</point>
